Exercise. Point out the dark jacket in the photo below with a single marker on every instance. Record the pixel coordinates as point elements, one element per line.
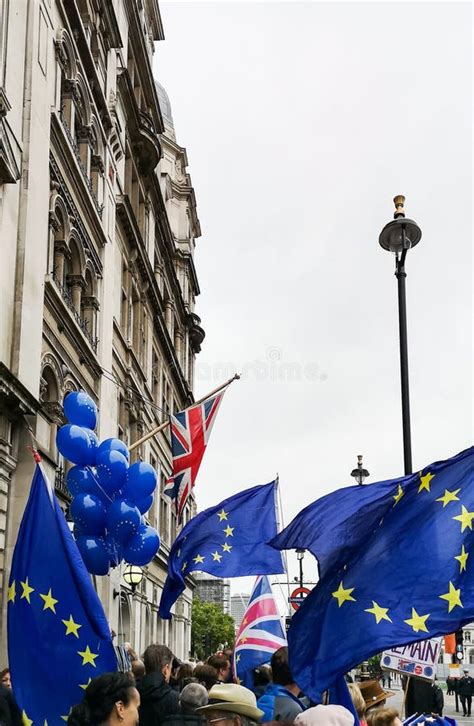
<point>157,700</point>
<point>465,686</point>
<point>278,704</point>
<point>184,719</point>
<point>10,714</point>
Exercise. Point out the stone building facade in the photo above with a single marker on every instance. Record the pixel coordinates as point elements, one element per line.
<point>98,224</point>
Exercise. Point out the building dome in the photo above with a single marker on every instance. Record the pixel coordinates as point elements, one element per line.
<point>165,107</point>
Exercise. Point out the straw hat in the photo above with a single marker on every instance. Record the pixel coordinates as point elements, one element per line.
<point>373,693</point>
<point>233,698</point>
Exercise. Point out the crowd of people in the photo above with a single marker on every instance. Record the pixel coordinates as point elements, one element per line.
<point>161,691</point>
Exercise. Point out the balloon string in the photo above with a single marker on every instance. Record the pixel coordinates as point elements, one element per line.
<point>97,483</point>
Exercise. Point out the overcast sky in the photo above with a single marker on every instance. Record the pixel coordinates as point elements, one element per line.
<point>301,122</point>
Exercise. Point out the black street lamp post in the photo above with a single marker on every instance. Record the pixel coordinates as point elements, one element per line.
<point>300,555</point>
<point>359,473</point>
<point>398,237</point>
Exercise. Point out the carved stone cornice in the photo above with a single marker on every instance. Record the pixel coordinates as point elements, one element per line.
<point>76,281</point>
<point>69,89</point>
<point>84,134</point>
<point>97,163</point>
<point>54,411</point>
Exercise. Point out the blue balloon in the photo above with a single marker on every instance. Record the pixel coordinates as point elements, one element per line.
<point>94,442</point>
<point>94,554</point>
<point>80,479</point>
<point>80,409</point>
<point>123,520</point>
<point>89,513</point>
<point>141,481</point>
<point>115,445</point>
<point>145,504</point>
<point>73,443</point>
<point>114,549</point>
<point>142,547</point>
<point>111,470</point>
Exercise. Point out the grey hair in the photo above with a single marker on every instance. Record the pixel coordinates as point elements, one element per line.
<point>193,696</point>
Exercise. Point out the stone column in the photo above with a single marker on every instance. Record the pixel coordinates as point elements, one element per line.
<point>77,285</point>
<point>169,309</point>
<point>61,253</point>
<point>84,142</point>
<point>90,306</point>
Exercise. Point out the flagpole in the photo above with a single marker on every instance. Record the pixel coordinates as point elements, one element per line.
<point>280,522</point>
<point>162,426</point>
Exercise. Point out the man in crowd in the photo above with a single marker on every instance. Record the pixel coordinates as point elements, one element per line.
<point>158,699</point>
<point>280,701</point>
<point>465,690</point>
<point>232,703</point>
<point>221,663</point>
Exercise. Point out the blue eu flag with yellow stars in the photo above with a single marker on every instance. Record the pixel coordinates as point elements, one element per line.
<point>58,635</point>
<point>398,568</point>
<point>228,540</point>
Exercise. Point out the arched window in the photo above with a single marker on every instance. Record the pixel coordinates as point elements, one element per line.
<point>90,305</point>
<point>124,621</point>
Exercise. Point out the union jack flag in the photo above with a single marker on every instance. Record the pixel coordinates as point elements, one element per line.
<point>260,634</point>
<point>190,431</point>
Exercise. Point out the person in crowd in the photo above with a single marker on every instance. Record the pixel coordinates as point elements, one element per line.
<point>158,699</point>
<point>206,675</point>
<point>110,699</point>
<point>136,664</point>
<point>232,703</point>
<point>5,677</point>
<point>373,694</point>
<point>192,697</point>
<point>449,686</point>
<point>358,701</point>
<point>10,714</point>
<point>221,663</point>
<point>465,689</point>
<point>437,696</point>
<point>330,715</point>
<point>185,670</point>
<point>261,678</point>
<point>383,717</point>
<point>280,701</point>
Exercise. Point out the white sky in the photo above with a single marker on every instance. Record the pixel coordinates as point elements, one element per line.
<point>301,122</point>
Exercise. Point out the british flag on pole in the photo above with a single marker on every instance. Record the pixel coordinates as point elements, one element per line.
<point>260,634</point>
<point>190,431</point>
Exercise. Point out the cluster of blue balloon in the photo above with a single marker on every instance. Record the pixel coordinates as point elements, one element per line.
<point>109,496</point>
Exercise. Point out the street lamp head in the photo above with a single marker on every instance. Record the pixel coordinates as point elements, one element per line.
<point>360,474</point>
<point>133,575</point>
<point>402,233</point>
<point>299,554</point>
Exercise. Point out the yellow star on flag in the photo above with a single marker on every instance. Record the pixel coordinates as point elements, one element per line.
<point>27,590</point>
<point>425,482</point>
<point>453,597</point>
<point>226,547</point>
<point>222,515</point>
<point>216,556</point>
<point>65,718</point>
<point>84,685</point>
<point>88,656</point>
<point>449,497</point>
<point>26,721</point>
<point>183,566</point>
<point>398,495</point>
<point>49,601</point>
<point>12,592</point>
<point>238,658</point>
<point>229,531</point>
<point>465,518</point>
<point>198,559</point>
<point>462,559</point>
<point>342,595</point>
<point>417,622</point>
<point>379,612</point>
<point>71,626</point>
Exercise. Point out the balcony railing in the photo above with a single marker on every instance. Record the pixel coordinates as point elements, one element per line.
<point>88,182</point>
<point>60,483</point>
<point>67,297</point>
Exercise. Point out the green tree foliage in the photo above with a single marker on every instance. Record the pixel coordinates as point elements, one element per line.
<point>210,628</point>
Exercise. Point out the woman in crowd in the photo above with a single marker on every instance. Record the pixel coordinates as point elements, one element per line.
<point>358,701</point>
<point>383,717</point>
<point>111,699</point>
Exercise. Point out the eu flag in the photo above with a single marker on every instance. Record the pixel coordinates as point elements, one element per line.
<point>228,540</point>
<point>58,635</point>
<point>402,573</point>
